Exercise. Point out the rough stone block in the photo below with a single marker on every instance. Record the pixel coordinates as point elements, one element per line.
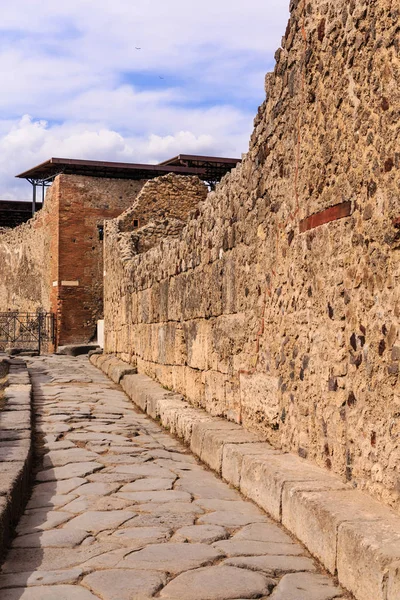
<point>263,478</point>
<point>366,550</point>
<point>233,455</point>
<point>214,441</point>
<point>199,430</point>
<point>118,370</point>
<point>315,516</point>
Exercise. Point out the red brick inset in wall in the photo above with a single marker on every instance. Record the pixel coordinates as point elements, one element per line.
<point>333,213</point>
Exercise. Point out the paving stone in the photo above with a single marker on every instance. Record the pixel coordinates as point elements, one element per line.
<point>170,507</point>
<point>13,453</point>
<point>148,484</point>
<point>172,558</point>
<point>41,520</point>
<point>273,565</point>
<point>157,496</point>
<point>59,487</point>
<point>123,584</point>
<point>239,506</point>
<point>85,503</point>
<point>54,538</point>
<point>96,521</point>
<point>230,519</point>
<point>112,477</point>
<point>44,500</point>
<point>97,489</point>
<point>60,458</point>
<point>137,537</point>
<point>50,559</point>
<point>306,586</point>
<point>263,532</point>
<point>208,486</point>
<point>216,583</point>
<point>203,534</point>
<point>145,471</point>
<point>91,436</point>
<point>252,548</point>
<point>13,580</point>
<point>162,518</point>
<point>52,592</point>
<point>69,471</point>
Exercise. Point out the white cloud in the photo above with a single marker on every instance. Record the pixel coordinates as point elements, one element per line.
<point>74,67</point>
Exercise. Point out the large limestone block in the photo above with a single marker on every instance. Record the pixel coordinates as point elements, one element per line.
<point>200,429</point>
<point>214,443</point>
<point>315,517</point>
<point>216,583</point>
<point>366,550</point>
<point>232,458</point>
<point>119,369</point>
<point>263,478</point>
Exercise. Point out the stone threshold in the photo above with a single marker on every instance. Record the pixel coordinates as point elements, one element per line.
<point>356,538</point>
<point>16,446</point>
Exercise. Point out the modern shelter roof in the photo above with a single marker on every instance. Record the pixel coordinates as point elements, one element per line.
<point>208,168</point>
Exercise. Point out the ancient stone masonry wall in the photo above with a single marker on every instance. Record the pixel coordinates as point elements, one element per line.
<point>85,202</point>
<point>25,260</point>
<point>279,304</point>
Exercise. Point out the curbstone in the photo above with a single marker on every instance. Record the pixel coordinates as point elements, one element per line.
<point>353,535</point>
<point>15,448</point>
<point>232,459</point>
<point>366,551</point>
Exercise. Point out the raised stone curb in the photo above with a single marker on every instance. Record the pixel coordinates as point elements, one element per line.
<point>15,445</point>
<point>355,538</point>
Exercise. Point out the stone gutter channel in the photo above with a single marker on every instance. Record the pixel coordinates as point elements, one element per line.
<point>16,448</point>
<point>356,538</point>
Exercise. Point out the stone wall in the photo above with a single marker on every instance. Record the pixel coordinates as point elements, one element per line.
<point>25,260</point>
<point>279,305</point>
<point>85,203</point>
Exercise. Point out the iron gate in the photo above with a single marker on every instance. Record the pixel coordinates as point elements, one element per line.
<point>33,331</point>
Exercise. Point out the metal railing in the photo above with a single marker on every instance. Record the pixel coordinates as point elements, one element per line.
<point>33,331</point>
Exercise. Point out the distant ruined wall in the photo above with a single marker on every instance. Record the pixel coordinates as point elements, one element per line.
<point>85,202</point>
<point>26,253</point>
<point>279,304</point>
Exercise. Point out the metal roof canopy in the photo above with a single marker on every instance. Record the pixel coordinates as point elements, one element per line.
<point>208,168</point>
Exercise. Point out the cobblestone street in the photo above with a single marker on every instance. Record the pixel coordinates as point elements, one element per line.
<point>120,510</point>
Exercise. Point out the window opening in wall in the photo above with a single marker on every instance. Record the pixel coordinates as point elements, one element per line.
<point>100,229</point>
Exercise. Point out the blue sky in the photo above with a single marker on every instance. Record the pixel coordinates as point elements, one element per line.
<point>75,84</point>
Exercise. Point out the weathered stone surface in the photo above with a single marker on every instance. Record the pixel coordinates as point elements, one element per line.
<point>173,558</point>
<point>233,520</point>
<point>55,538</point>
<point>95,521</point>
<point>148,484</point>
<point>123,584</point>
<point>52,592</point>
<point>273,565</point>
<point>255,548</point>
<point>20,560</point>
<point>60,458</point>
<point>137,537</point>
<point>263,532</point>
<point>366,551</point>
<point>157,496</point>
<point>69,471</point>
<point>41,520</point>
<point>203,534</point>
<point>216,583</point>
<point>305,586</point>
<point>13,580</point>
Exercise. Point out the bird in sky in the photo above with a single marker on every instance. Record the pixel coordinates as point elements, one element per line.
<point>136,48</point>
